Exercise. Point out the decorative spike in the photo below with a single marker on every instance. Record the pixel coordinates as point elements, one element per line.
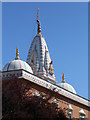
<point>17,54</point>
<point>63,78</point>
<point>38,14</point>
<point>38,21</point>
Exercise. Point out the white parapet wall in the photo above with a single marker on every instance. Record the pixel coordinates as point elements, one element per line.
<point>55,88</point>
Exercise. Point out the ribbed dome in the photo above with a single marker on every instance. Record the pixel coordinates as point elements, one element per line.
<point>16,65</point>
<point>67,87</point>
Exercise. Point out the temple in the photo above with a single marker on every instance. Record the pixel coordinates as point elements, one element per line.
<point>38,70</point>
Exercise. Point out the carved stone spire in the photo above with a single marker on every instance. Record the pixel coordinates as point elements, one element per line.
<point>38,56</point>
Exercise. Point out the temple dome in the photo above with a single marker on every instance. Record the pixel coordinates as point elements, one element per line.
<point>17,64</point>
<point>66,86</point>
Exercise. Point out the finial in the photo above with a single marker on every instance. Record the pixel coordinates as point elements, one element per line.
<point>63,78</point>
<point>17,54</point>
<point>38,21</point>
<point>38,14</point>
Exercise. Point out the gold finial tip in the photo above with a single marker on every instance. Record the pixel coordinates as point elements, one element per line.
<point>63,78</point>
<point>17,54</point>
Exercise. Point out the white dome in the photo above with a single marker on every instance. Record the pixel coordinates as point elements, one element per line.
<point>16,65</point>
<point>67,87</point>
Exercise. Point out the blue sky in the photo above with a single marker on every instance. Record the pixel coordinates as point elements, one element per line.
<point>65,29</point>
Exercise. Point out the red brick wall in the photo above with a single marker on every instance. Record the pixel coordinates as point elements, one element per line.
<point>27,89</point>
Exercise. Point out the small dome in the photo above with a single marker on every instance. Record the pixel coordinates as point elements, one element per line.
<point>17,64</point>
<point>67,87</point>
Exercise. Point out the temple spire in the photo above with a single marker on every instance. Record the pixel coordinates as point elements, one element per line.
<point>17,54</point>
<point>38,22</point>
